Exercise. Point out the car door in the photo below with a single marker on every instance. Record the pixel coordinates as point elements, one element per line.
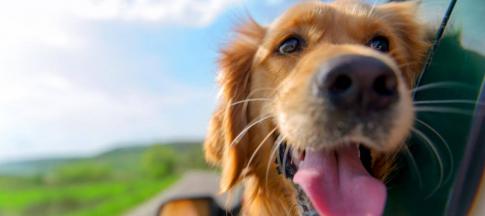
<point>433,165</point>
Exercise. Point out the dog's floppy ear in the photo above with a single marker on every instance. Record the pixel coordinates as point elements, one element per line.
<point>231,119</point>
<point>214,141</point>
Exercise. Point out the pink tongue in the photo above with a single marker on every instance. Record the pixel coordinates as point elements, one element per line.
<point>338,184</point>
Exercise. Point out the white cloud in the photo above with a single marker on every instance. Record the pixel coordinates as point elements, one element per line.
<point>49,113</point>
<point>56,22</point>
<point>186,12</point>
<point>26,22</point>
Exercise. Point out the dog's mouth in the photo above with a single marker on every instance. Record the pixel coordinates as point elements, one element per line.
<point>339,182</point>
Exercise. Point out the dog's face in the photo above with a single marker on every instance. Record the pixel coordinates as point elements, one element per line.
<point>335,70</point>
<point>326,79</point>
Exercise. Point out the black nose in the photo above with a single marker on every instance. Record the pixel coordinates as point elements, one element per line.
<point>357,83</point>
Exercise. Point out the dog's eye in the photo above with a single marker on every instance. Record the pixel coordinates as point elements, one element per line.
<point>379,43</point>
<point>290,45</point>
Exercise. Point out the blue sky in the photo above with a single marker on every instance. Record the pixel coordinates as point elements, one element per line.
<point>82,76</point>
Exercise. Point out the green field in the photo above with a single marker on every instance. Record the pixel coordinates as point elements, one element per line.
<point>107,184</point>
<point>103,198</point>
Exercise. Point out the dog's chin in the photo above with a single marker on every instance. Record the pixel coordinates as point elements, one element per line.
<point>338,181</point>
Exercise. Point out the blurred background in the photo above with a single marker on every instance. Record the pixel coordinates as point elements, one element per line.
<point>105,103</point>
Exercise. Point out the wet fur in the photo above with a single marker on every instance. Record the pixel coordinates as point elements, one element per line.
<point>249,69</point>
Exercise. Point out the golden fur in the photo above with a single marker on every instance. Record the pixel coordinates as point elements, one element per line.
<point>196,207</point>
<point>251,70</point>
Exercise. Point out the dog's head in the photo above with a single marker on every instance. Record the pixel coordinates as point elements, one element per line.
<point>326,79</point>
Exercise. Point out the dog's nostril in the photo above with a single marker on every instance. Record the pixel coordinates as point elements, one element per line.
<point>385,85</point>
<point>341,84</point>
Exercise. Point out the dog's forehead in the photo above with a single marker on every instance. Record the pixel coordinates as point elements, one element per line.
<point>309,12</point>
<point>298,14</point>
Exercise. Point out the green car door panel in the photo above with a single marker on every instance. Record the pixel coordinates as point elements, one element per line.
<point>445,101</point>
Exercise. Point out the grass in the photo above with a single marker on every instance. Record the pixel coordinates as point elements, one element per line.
<point>107,184</point>
<point>99,198</point>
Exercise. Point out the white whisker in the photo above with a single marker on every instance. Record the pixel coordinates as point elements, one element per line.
<point>445,143</point>
<point>447,101</point>
<point>441,85</point>
<point>414,165</point>
<point>259,147</point>
<point>443,110</point>
<point>246,129</point>
<point>371,11</point>
<point>435,152</point>
<point>278,142</point>
<point>250,100</point>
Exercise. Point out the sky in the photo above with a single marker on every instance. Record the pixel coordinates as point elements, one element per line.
<point>79,77</point>
<point>82,76</point>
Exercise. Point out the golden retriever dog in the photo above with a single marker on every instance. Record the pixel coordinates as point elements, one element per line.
<point>327,84</point>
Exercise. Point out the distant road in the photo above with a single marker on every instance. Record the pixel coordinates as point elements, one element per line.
<point>193,183</point>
